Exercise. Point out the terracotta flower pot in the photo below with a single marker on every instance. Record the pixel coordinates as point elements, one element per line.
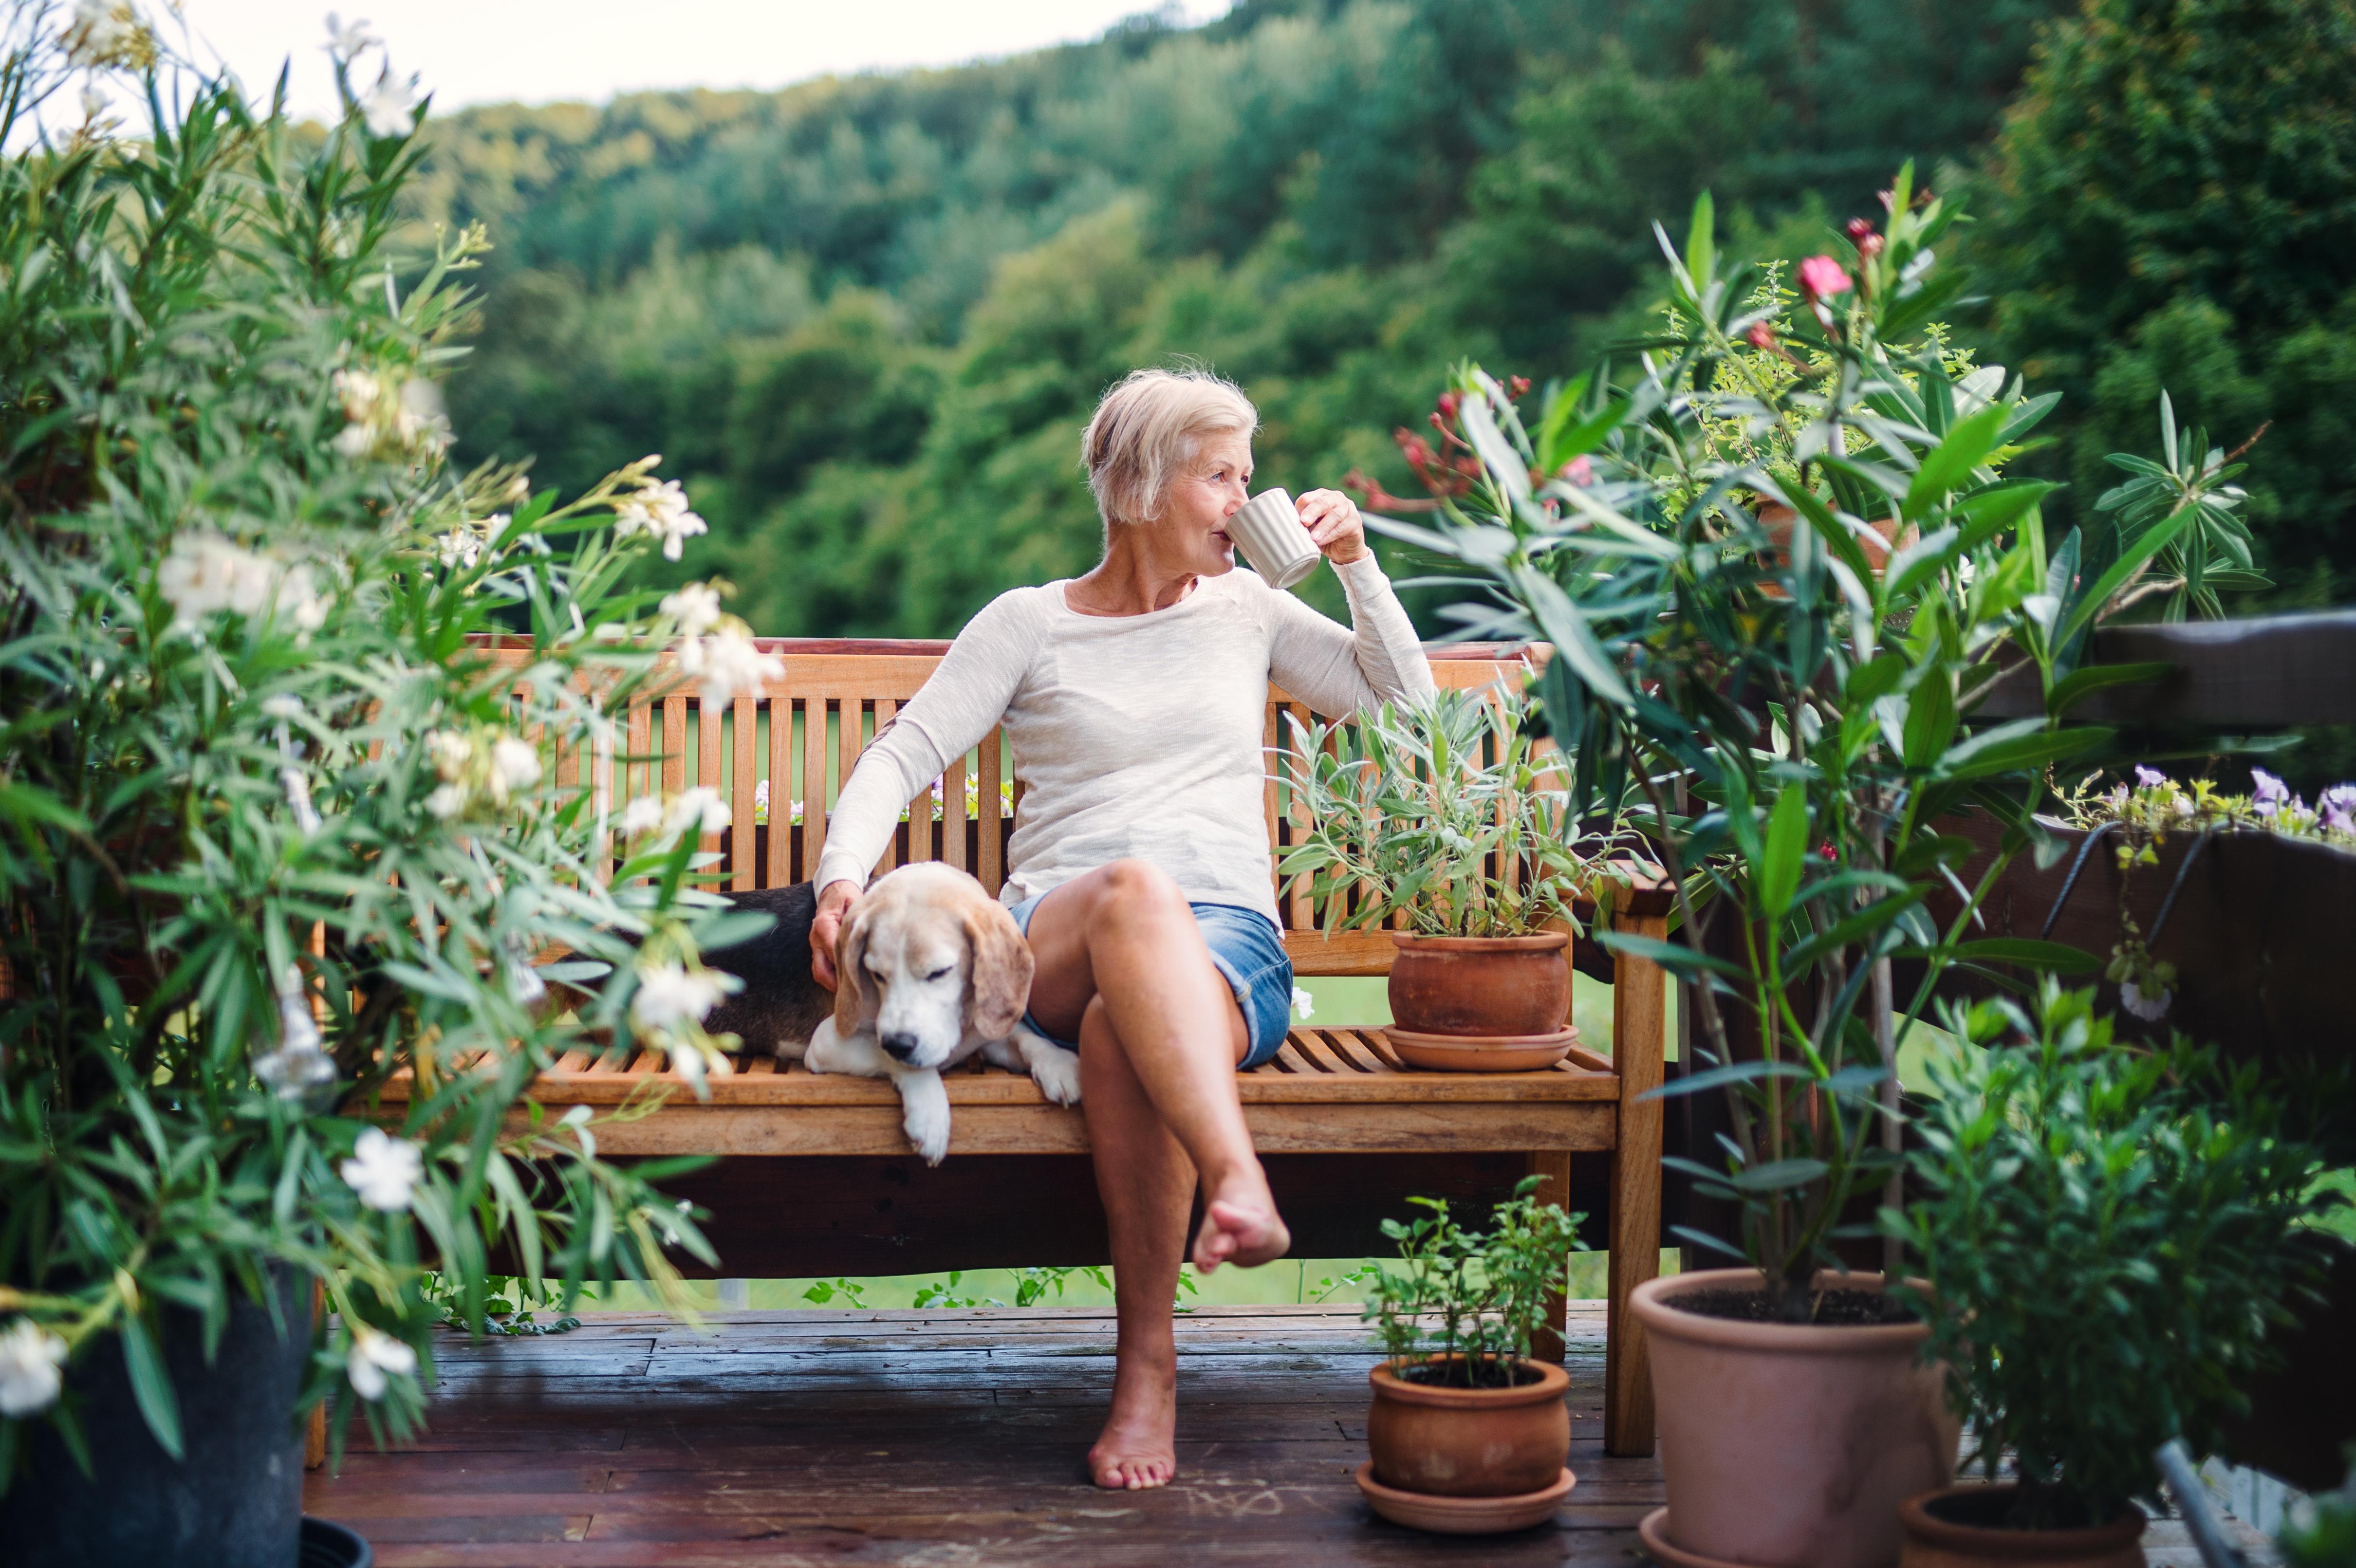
<point>1935,1540</point>
<point>1469,1442</point>
<point>1481,987</point>
<point>1791,1445</point>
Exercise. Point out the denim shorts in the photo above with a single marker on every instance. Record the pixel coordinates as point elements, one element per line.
<point>1249,949</point>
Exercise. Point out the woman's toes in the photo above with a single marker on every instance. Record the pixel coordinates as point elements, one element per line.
<point>1246,1234</point>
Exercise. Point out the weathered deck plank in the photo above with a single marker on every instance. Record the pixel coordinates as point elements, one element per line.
<point>904,1438</point>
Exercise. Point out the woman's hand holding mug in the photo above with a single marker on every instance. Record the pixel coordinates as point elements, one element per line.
<point>1334,525</point>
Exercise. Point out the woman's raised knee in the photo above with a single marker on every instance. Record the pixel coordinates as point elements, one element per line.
<point>1133,888</point>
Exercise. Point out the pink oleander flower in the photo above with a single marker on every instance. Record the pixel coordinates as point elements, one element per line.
<point>1821,277</point>
<point>1580,471</point>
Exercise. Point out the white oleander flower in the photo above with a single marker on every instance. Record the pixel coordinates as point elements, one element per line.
<point>390,106</point>
<point>450,750</point>
<point>670,995</point>
<point>376,1357</point>
<point>695,607</point>
<point>515,766</point>
<point>204,574</point>
<point>383,1169</point>
<point>1302,1001</point>
<point>578,1120</point>
<point>284,706</point>
<point>343,42</point>
<point>108,33</point>
<point>659,509</point>
<point>701,808</point>
<point>727,664</point>
<point>29,1359</point>
<point>360,393</point>
<point>446,801</point>
<point>94,100</point>
<point>644,813</point>
<point>461,547</point>
<point>353,440</point>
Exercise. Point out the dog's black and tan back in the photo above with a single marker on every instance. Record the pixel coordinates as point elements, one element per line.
<point>781,1002</point>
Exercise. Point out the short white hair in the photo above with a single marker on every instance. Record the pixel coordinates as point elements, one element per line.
<point>1148,427</point>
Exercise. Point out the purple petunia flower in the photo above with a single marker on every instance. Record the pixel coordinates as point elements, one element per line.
<point>2149,778</point>
<point>2340,797</point>
<point>2272,794</point>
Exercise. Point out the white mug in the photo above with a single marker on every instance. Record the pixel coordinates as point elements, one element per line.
<point>1269,529</point>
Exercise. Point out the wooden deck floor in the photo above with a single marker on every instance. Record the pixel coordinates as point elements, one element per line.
<point>936,1440</point>
<point>928,1438</point>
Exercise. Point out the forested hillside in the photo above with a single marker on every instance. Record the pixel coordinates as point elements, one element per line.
<point>864,318</point>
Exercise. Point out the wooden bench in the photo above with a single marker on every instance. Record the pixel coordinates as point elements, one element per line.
<point>817,1179</point>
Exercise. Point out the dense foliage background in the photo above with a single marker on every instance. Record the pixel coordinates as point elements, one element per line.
<point>866,318</point>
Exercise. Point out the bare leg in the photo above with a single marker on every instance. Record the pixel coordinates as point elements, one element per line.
<point>1122,970</point>
<point>1123,933</point>
<point>1148,1184</point>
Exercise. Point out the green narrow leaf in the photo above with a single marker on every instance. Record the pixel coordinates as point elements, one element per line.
<point>1777,875</point>
<point>1930,719</point>
<point>1701,244</point>
<point>151,1385</point>
<point>1949,464</point>
<point>2131,560</point>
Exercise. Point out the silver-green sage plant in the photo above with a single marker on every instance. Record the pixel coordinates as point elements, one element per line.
<point>1781,561</point>
<point>1452,815</point>
<point>299,730</point>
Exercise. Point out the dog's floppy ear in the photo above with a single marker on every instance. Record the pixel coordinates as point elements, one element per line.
<point>1002,967</point>
<point>851,970</point>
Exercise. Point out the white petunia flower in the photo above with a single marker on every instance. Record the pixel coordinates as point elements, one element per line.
<point>390,108</point>
<point>660,510</point>
<point>383,1169</point>
<point>515,765</point>
<point>2151,1009</point>
<point>643,815</point>
<point>375,1355</point>
<point>29,1359</point>
<point>761,804</point>
<point>669,994</point>
<point>695,607</point>
<point>727,664</point>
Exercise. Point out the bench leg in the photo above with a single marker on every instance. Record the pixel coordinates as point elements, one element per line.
<point>1639,1024</point>
<point>315,1430</point>
<point>1552,1167</point>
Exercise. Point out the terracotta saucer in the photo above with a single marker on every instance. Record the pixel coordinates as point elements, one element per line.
<point>1653,1531</point>
<point>1483,1053</point>
<point>1462,1516</point>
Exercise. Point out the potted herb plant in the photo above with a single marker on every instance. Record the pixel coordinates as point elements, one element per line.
<point>2105,1236</point>
<point>277,818</point>
<point>1447,819</point>
<point>1468,1432</point>
<point>1790,713</point>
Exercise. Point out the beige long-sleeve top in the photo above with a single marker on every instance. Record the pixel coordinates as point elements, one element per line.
<point>1135,736</point>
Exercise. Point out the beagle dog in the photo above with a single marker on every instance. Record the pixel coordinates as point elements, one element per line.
<point>929,969</point>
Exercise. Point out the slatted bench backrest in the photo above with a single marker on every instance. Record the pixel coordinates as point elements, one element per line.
<point>803,735</point>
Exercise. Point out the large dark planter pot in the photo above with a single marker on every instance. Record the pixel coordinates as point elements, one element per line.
<point>235,1501</point>
<point>1951,1528</point>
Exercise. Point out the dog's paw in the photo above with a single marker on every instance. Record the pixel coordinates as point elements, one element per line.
<point>1054,1069</point>
<point>924,1107</point>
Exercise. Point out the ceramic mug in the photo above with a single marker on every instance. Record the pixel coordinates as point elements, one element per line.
<point>1268,527</point>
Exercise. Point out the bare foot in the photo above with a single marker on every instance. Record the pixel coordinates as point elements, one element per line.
<point>1244,1230</point>
<point>1136,1451</point>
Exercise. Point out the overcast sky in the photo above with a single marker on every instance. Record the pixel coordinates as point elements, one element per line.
<point>541,51</point>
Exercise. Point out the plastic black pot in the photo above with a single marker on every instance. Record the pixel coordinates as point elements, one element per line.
<point>235,1501</point>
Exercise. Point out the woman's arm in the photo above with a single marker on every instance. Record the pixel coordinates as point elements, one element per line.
<point>957,706</point>
<point>1377,658</point>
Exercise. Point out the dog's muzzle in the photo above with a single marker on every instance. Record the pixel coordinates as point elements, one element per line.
<point>901,1046</point>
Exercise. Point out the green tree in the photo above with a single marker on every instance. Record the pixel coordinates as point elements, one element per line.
<point>2172,203</point>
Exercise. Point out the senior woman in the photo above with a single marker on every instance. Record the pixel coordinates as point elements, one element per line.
<point>1139,870</point>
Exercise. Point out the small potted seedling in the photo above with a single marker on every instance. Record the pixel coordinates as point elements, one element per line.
<point>1468,1431</point>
